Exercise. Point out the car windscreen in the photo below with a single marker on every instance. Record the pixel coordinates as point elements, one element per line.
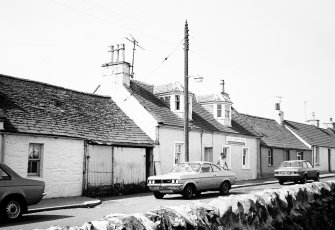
<point>290,164</point>
<point>186,167</point>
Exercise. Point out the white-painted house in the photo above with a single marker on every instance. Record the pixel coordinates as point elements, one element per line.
<point>319,140</point>
<point>158,111</point>
<point>75,142</point>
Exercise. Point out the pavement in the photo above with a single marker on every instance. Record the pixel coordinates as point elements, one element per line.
<point>49,204</point>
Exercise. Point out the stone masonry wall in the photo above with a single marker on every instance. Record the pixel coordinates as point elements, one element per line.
<point>309,206</point>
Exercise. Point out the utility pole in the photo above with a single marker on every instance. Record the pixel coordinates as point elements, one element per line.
<point>135,43</point>
<point>186,134</point>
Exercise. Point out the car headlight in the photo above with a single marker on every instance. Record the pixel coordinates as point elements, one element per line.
<point>175,181</point>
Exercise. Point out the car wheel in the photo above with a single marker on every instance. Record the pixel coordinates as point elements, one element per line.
<point>158,195</point>
<point>188,192</point>
<point>13,209</point>
<point>281,182</point>
<point>224,188</point>
<point>304,179</point>
<point>317,178</point>
<point>198,194</point>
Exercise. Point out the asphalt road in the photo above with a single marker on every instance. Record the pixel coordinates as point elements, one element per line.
<point>125,204</point>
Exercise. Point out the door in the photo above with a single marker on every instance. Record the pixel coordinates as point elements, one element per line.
<point>206,177</point>
<point>100,169</point>
<point>209,154</point>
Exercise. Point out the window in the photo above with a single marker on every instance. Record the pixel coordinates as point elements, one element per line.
<point>245,158</point>
<point>300,155</point>
<point>177,102</point>
<point>219,110</point>
<point>178,153</point>
<point>227,111</point>
<point>270,157</point>
<point>216,168</point>
<point>309,165</point>
<point>4,175</point>
<point>206,168</point>
<point>34,159</point>
<point>225,150</point>
<point>317,156</point>
<point>287,155</point>
<point>209,154</point>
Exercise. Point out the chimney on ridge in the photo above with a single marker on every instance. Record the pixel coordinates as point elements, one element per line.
<point>314,121</point>
<point>117,70</point>
<point>330,124</point>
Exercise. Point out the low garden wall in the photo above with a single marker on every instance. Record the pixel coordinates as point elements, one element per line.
<point>309,206</point>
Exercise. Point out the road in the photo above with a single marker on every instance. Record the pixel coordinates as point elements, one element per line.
<point>125,204</point>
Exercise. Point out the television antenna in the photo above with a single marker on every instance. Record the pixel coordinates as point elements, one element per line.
<point>135,44</point>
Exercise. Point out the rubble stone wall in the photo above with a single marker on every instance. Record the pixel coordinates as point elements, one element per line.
<point>309,206</point>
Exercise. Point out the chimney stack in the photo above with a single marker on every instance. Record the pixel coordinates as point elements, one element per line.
<point>330,124</point>
<point>117,72</point>
<point>223,90</point>
<point>314,121</point>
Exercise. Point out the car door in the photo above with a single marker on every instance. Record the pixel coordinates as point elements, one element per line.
<point>206,177</point>
<point>311,170</point>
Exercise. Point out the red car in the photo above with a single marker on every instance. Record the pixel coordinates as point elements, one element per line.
<point>17,193</point>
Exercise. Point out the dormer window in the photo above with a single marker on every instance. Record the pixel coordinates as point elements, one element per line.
<point>177,102</point>
<point>227,111</point>
<point>219,110</point>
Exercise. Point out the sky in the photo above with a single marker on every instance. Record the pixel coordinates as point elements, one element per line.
<point>266,51</point>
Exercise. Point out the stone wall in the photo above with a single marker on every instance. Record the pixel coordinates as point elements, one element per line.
<point>309,206</point>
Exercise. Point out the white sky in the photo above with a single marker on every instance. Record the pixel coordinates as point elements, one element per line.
<point>262,49</point>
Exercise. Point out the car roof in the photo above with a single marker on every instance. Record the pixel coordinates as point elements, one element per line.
<point>296,161</point>
<point>199,162</point>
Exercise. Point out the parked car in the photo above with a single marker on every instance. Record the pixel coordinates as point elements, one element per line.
<point>192,178</point>
<point>17,193</point>
<point>296,170</point>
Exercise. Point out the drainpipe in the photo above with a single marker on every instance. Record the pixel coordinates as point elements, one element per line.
<point>260,159</point>
<point>2,147</point>
<point>113,167</point>
<point>85,173</point>
<point>201,148</point>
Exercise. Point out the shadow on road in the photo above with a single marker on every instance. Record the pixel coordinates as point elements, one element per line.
<point>29,219</point>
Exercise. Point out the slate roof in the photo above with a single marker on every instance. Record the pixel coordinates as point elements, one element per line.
<point>212,98</point>
<point>39,108</point>
<point>312,134</point>
<point>169,87</point>
<point>272,134</point>
<point>162,113</point>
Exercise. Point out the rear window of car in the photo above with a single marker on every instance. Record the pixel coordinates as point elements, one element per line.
<point>4,175</point>
<point>291,164</point>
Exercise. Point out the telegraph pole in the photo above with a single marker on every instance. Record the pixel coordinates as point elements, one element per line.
<point>186,134</point>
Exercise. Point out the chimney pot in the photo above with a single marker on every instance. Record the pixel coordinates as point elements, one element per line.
<point>117,53</point>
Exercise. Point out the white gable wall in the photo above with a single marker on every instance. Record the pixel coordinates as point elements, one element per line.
<point>134,110</point>
<point>62,162</point>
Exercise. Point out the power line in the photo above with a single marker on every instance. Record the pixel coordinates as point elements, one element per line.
<point>164,60</point>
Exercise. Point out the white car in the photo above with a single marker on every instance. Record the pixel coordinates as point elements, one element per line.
<point>192,178</point>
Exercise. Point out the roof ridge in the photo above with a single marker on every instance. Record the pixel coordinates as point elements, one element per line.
<point>54,86</point>
<point>264,118</point>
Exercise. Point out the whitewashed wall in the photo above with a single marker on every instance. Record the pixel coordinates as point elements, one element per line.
<point>62,162</point>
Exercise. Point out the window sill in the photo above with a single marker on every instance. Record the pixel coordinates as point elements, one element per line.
<point>34,176</point>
